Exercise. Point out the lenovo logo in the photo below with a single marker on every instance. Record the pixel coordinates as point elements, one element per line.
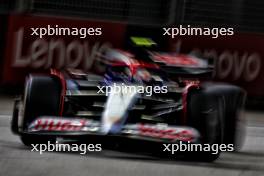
<point>56,53</point>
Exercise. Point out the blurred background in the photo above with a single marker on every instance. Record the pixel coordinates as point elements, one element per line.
<point>238,60</point>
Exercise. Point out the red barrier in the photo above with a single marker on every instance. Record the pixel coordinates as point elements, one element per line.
<point>25,53</point>
<point>238,59</point>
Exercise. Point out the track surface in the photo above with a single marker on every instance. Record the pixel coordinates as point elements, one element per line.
<point>15,159</point>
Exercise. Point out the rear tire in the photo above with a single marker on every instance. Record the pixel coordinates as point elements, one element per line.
<point>41,97</point>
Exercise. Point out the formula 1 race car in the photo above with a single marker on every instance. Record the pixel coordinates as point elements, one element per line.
<point>142,95</point>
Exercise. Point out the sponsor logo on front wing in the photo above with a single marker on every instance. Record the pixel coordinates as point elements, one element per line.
<point>160,131</point>
<point>63,124</point>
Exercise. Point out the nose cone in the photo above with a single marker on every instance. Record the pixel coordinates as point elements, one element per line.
<point>119,101</point>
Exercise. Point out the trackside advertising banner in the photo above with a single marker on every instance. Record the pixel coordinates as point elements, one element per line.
<point>238,59</point>
<point>35,44</point>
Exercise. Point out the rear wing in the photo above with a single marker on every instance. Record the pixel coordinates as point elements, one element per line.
<point>183,65</point>
<point>173,64</point>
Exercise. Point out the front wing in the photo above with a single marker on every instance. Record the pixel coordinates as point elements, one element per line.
<point>65,126</point>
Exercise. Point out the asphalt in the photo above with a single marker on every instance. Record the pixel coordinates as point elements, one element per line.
<point>18,160</point>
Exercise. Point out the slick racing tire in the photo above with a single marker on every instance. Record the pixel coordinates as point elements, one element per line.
<point>14,120</point>
<point>41,97</point>
<point>206,113</point>
<point>234,120</point>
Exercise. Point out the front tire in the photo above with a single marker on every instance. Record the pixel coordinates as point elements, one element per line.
<point>205,113</point>
<point>41,98</point>
<point>234,121</point>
